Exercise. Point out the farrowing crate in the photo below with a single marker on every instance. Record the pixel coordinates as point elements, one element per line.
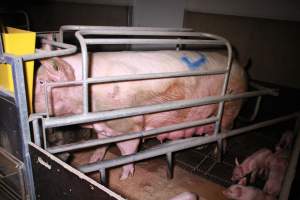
<point>42,121</point>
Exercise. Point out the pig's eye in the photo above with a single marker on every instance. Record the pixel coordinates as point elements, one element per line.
<point>42,82</point>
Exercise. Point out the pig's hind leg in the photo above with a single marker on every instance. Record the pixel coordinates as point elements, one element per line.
<point>127,148</point>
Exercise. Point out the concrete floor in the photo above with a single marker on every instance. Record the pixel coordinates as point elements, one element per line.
<point>150,182</point>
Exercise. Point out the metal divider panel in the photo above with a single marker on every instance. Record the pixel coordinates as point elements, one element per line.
<point>10,137</point>
<point>54,179</point>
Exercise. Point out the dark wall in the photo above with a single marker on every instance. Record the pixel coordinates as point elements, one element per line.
<point>272,45</point>
<point>50,16</point>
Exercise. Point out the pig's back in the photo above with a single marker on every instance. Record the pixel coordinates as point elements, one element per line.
<point>143,62</point>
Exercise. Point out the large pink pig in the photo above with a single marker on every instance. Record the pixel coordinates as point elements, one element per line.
<point>68,100</point>
<point>240,192</point>
<point>255,163</point>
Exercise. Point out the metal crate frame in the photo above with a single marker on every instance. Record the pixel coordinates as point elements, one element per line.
<point>167,148</point>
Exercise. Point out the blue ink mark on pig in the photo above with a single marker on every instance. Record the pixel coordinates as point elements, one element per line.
<point>194,64</point>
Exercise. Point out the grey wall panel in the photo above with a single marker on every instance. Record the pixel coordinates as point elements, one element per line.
<point>50,16</point>
<point>272,45</point>
<point>10,138</point>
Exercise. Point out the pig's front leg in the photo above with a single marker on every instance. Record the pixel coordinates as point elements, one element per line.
<point>127,148</point>
<point>99,153</point>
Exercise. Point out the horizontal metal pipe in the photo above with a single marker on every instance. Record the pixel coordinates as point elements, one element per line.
<point>174,146</point>
<point>128,136</point>
<point>67,49</point>
<point>138,77</point>
<point>119,28</point>
<point>152,41</point>
<point>65,28</point>
<point>128,112</point>
<point>153,33</point>
<point>261,87</point>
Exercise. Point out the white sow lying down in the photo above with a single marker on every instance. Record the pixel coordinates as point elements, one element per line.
<point>68,100</point>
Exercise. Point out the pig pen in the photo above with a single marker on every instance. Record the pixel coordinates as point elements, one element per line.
<point>178,38</point>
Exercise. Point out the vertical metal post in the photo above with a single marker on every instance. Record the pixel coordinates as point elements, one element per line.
<point>221,104</point>
<point>103,176</point>
<point>85,72</point>
<point>257,105</point>
<point>170,165</point>
<point>21,103</point>
<point>36,131</point>
<point>292,167</point>
<point>1,48</point>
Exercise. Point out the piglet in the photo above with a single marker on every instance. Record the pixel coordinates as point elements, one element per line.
<point>277,165</point>
<point>285,142</point>
<point>240,192</point>
<point>185,196</point>
<point>253,164</point>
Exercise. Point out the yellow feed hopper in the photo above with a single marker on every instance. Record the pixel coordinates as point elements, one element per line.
<point>18,42</point>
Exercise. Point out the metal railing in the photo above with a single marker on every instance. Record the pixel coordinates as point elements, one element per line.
<point>72,28</point>
<point>143,36</point>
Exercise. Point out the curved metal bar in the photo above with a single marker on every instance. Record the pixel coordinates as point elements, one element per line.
<point>18,12</point>
<point>152,33</point>
<point>85,72</point>
<point>67,49</point>
<point>65,28</point>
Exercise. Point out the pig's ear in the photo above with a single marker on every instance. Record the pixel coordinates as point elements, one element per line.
<point>65,68</point>
<point>58,70</point>
<point>237,163</point>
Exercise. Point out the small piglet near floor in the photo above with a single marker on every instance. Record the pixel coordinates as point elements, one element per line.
<point>264,163</point>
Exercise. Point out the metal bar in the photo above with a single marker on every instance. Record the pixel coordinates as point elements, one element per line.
<point>65,28</point>
<point>174,146</point>
<point>128,136</point>
<point>103,176</point>
<point>36,132</point>
<point>2,11</point>
<point>152,33</point>
<point>292,167</point>
<point>67,49</point>
<point>85,72</point>
<point>221,104</point>
<point>260,87</point>
<point>2,60</point>
<point>170,165</point>
<point>138,77</point>
<point>153,41</point>
<point>128,112</point>
<point>21,103</point>
<point>256,109</point>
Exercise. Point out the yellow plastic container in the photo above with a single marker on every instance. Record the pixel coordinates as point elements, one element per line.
<point>18,42</point>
